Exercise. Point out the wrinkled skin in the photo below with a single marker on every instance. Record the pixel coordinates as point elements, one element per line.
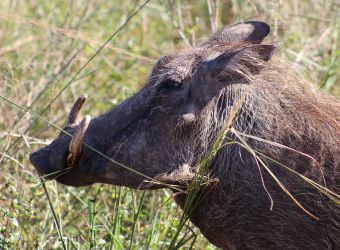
<point>165,129</point>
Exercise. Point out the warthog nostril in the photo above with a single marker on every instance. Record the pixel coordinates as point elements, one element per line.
<point>40,161</point>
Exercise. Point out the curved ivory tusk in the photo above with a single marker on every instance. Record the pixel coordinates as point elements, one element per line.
<point>76,144</point>
<point>73,118</point>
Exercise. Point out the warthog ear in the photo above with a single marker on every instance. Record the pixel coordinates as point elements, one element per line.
<point>242,63</point>
<point>252,31</point>
<point>238,65</point>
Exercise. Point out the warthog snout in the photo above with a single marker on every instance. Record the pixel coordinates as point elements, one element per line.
<point>55,160</point>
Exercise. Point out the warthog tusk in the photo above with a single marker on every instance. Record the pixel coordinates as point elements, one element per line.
<point>76,144</point>
<point>73,118</point>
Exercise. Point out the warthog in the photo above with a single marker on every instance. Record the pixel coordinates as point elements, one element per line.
<point>272,183</point>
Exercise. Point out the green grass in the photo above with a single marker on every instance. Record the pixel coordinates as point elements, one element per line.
<point>50,53</point>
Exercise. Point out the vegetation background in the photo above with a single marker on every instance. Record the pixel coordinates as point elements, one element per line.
<point>51,52</point>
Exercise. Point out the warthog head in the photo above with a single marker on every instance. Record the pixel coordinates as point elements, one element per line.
<point>156,131</point>
<point>160,135</point>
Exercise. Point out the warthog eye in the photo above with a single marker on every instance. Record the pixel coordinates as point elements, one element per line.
<point>171,83</point>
